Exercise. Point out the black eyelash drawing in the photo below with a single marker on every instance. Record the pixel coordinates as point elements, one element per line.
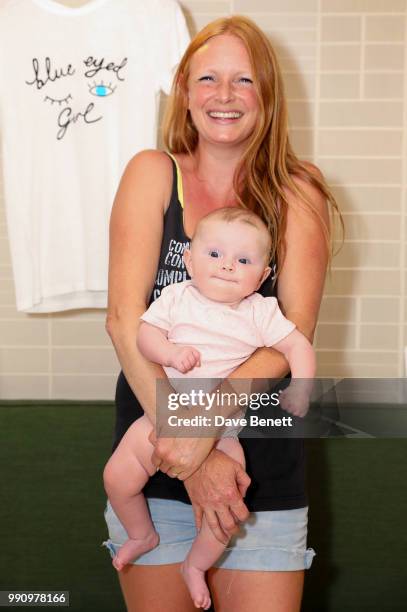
<point>59,102</point>
<point>101,90</point>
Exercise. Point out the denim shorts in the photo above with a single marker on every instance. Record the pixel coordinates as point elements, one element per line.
<point>268,541</point>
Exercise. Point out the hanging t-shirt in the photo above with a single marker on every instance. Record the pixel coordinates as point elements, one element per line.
<point>78,98</point>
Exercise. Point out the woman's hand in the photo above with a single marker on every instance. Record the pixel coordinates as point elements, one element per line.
<point>180,457</point>
<point>217,489</point>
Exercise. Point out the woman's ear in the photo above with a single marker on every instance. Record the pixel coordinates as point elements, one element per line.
<point>188,262</point>
<point>266,273</point>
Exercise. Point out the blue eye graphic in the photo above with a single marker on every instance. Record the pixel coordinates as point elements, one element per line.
<point>101,90</point>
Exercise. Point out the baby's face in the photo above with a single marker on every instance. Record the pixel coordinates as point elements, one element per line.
<point>227,262</point>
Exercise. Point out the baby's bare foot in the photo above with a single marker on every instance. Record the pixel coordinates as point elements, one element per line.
<point>133,549</point>
<point>195,580</point>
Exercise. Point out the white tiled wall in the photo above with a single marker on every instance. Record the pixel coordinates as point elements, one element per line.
<point>345,73</point>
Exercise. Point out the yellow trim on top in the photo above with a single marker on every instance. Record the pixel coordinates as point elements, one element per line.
<point>179,181</point>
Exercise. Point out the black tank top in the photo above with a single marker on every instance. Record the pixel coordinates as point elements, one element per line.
<point>275,466</point>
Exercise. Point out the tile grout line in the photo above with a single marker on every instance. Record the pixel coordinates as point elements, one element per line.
<point>369,157</point>
<point>317,82</point>
<point>353,43</point>
<point>351,128</point>
<point>403,262</point>
<point>358,322</point>
<point>325,13</point>
<point>317,93</point>
<point>362,58</point>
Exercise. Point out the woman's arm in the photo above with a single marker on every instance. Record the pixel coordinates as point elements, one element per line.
<point>302,276</point>
<point>136,228</point>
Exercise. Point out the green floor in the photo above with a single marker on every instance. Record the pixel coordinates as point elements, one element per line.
<point>51,460</point>
<point>52,499</point>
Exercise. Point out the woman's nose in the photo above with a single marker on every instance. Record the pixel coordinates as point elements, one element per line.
<point>225,91</point>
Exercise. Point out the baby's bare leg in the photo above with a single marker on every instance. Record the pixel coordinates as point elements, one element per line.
<point>206,549</point>
<point>125,475</point>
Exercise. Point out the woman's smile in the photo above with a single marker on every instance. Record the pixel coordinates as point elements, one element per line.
<point>225,116</point>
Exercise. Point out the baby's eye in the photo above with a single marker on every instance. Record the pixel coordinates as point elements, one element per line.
<point>244,260</point>
<point>214,253</point>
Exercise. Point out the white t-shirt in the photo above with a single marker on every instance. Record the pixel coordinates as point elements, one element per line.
<point>78,98</point>
<point>224,335</point>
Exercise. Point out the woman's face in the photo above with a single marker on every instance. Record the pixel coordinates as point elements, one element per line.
<point>222,98</point>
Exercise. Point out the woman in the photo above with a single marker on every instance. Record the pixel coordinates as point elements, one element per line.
<point>226,127</point>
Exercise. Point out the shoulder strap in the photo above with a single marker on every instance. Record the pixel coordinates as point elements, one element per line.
<point>177,183</point>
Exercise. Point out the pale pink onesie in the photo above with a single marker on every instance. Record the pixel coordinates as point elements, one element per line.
<point>224,335</point>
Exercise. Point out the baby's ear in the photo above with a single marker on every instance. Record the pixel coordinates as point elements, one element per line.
<point>188,261</point>
<point>266,274</point>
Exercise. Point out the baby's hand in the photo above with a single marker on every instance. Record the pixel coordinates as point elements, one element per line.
<point>184,358</point>
<point>296,398</point>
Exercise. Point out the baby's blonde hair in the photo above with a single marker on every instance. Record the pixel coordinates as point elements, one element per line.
<point>233,214</point>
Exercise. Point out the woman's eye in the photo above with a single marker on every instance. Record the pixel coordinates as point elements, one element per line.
<point>244,260</point>
<point>206,78</point>
<point>245,80</point>
<point>213,253</point>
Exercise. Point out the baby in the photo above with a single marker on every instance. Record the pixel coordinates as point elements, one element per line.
<point>205,328</point>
